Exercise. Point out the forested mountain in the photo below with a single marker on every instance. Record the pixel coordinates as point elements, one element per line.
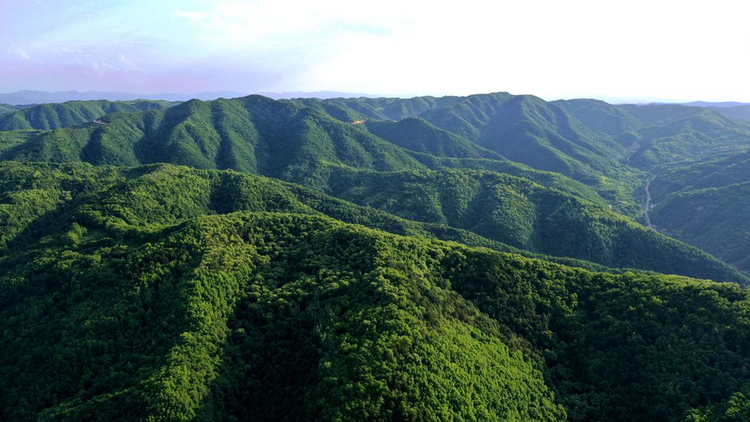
<point>480,209</point>
<point>706,204</point>
<point>522,214</point>
<point>662,134</point>
<point>113,313</point>
<point>7,108</point>
<point>419,135</point>
<point>252,134</point>
<point>739,113</point>
<point>453,258</point>
<point>525,129</point>
<point>56,116</point>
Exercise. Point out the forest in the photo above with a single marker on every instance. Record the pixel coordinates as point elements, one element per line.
<point>433,258</point>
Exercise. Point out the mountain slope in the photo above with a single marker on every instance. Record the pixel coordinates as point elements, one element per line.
<point>523,214</point>
<point>699,135</point>
<point>37,197</point>
<point>7,108</point>
<point>540,134</point>
<point>600,116</point>
<point>523,128</point>
<point>714,219</point>
<point>418,135</point>
<point>56,116</point>
<point>252,134</point>
<point>480,208</point>
<point>704,203</point>
<point>302,317</point>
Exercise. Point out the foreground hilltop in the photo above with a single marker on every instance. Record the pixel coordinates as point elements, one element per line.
<point>121,315</point>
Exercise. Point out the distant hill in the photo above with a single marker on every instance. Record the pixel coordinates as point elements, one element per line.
<point>313,94</point>
<point>57,116</point>
<point>706,204</point>
<point>739,113</point>
<point>254,134</point>
<point>658,134</point>
<point>7,108</point>
<point>41,97</point>
<point>525,129</point>
<point>723,104</point>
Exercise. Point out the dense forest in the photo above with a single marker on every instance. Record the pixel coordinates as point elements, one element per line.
<point>453,258</point>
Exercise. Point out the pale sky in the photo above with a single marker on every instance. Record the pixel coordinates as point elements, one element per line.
<point>656,49</point>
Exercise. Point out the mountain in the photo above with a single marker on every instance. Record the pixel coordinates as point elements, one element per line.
<point>659,134</point>
<point>600,116</point>
<point>524,129</point>
<point>699,135</point>
<point>313,94</point>
<point>306,145</point>
<point>7,108</point>
<point>41,97</point>
<point>708,104</point>
<point>56,116</point>
<point>739,113</point>
<point>253,134</point>
<point>525,215</point>
<point>453,258</point>
<point>705,204</point>
<point>277,139</point>
<point>479,209</point>
<point>419,135</point>
<point>117,306</point>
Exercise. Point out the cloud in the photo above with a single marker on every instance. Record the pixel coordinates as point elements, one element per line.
<point>194,17</point>
<point>127,63</point>
<point>20,53</point>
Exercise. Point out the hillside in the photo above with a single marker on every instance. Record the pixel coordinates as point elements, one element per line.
<point>278,139</point>
<point>38,195</point>
<point>523,214</point>
<point>252,134</point>
<point>697,136</point>
<point>714,219</point>
<point>740,113</point>
<point>301,142</point>
<point>525,129</point>
<point>704,203</point>
<point>56,116</point>
<point>419,135</point>
<point>294,316</point>
<point>7,108</point>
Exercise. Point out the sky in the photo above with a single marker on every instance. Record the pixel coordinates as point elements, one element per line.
<point>654,50</point>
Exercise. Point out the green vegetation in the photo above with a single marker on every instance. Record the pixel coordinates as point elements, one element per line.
<point>525,215</point>
<point>480,209</point>
<point>252,134</point>
<point>7,108</point>
<point>706,204</point>
<point>419,135</point>
<point>56,116</point>
<point>110,314</point>
<point>454,258</point>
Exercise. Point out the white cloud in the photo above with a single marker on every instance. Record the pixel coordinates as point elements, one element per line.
<point>128,64</point>
<point>191,16</point>
<point>20,52</point>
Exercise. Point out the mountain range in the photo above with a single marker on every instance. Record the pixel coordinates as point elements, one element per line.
<point>489,257</point>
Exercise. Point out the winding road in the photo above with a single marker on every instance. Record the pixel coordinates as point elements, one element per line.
<point>647,205</point>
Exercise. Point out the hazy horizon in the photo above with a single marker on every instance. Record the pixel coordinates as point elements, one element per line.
<point>639,51</point>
